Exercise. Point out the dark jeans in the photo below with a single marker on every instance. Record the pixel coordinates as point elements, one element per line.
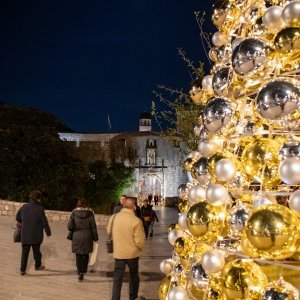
<point>133,265</point>
<point>146,227</point>
<point>82,261</point>
<point>37,255</point>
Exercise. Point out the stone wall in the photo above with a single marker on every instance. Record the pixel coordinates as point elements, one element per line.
<point>10,208</point>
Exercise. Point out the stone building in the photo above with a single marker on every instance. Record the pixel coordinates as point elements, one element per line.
<point>156,160</point>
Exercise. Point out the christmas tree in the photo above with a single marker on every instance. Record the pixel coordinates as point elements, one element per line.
<point>238,231</point>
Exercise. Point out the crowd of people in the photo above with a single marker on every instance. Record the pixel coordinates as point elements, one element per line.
<point>129,226</point>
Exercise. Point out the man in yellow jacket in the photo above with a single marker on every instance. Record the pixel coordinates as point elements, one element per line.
<point>128,242</point>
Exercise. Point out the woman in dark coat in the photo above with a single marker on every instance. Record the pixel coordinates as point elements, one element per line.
<point>84,231</point>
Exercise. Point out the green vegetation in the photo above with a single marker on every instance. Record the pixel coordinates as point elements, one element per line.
<point>33,156</point>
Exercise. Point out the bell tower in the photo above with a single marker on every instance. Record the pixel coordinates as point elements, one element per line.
<point>145,122</point>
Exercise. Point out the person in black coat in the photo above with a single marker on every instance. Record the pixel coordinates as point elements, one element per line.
<point>84,231</point>
<point>33,221</point>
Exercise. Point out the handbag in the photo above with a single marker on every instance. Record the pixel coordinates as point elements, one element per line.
<point>70,235</point>
<point>93,256</point>
<point>109,242</point>
<point>17,234</point>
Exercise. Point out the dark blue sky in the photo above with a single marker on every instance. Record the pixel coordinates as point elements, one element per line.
<point>84,59</point>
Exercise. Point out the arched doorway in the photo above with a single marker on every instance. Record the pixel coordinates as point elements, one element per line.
<point>150,184</point>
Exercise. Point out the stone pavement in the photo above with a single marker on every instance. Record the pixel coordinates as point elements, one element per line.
<point>59,280</point>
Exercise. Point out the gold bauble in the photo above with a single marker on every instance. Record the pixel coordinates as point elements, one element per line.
<point>188,164</point>
<point>165,285</point>
<point>179,245</point>
<point>185,260</point>
<point>184,206</point>
<point>242,279</point>
<point>214,291</point>
<point>205,221</point>
<point>260,161</point>
<point>287,41</point>
<point>172,226</point>
<point>213,161</point>
<point>272,231</point>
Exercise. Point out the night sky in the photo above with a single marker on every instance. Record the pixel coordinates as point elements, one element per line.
<point>81,60</point>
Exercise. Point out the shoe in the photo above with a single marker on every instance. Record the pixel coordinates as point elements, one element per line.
<point>22,273</point>
<point>80,277</point>
<point>41,268</point>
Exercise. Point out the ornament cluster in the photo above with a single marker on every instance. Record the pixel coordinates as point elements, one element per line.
<point>240,210</point>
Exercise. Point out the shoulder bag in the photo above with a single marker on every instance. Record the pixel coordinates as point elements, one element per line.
<point>17,234</point>
<point>109,242</point>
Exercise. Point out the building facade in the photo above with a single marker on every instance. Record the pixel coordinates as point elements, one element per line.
<point>157,161</point>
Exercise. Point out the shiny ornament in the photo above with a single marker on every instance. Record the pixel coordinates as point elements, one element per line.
<point>179,245</point>
<point>289,149</point>
<point>212,54</point>
<point>197,194</point>
<point>279,101</point>
<point>238,215</point>
<point>199,277</point>
<point>260,161</point>
<point>212,162</point>
<point>238,184</point>
<point>242,279</point>
<point>249,56</point>
<point>200,171</point>
<point>165,285</point>
<point>236,42</point>
<point>223,54</point>
<point>217,113</point>
<point>225,169</point>
<point>287,41</point>
<point>272,231</point>
<point>182,220</point>
<point>195,155</point>
<point>219,39</point>
<point>207,82</point>
<point>260,200</point>
<point>291,13</point>
<point>174,235</point>
<point>207,147</point>
<point>289,170</point>
<point>172,226</point>
<point>219,12</point>
<point>177,293</point>
<point>217,195</point>
<point>166,266</point>
<point>294,202</point>
<point>197,129</point>
<point>280,290</point>
<point>188,164</point>
<point>178,269</point>
<point>213,261</point>
<point>204,221</point>
<point>184,206</point>
<point>272,18</point>
<point>221,81</point>
<point>183,191</point>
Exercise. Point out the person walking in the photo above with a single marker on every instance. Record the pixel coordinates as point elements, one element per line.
<point>128,242</point>
<point>119,206</point>
<point>150,197</point>
<point>33,221</point>
<point>83,230</point>
<point>156,200</point>
<point>153,218</point>
<point>146,211</point>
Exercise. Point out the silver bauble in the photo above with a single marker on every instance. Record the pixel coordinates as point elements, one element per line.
<point>177,293</point>
<point>174,234</point>
<point>223,54</point>
<point>182,220</point>
<point>272,18</point>
<point>212,54</point>
<point>197,194</point>
<point>291,13</point>
<point>219,39</point>
<point>195,91</point>
<point>200,171</point>
<point>236,42</point>
<point>199,277</point>
<point>213,261</point>
<point>278,101</point>
<point>195,155</point>
<point>166,266</point>
<point>216,115</point>
<point>221,81</point>
<point>289,170</point>
<point>248,56</point>
<point>183,191</point>
<point>289,149</point>
<point>238,216</point>
<point>207,147</point>
<point>219,12</point>
<point>207,82</point>
<point>178,269</point>
<point>294,202</point>
<point>225,169</point>
<point>217,195</point>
